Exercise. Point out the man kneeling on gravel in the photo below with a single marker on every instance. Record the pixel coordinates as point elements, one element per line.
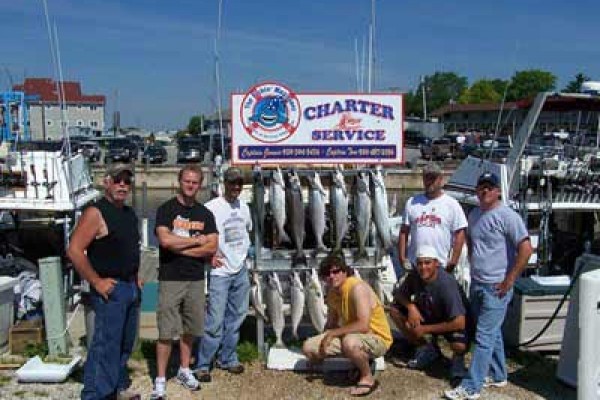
<point>356,327</point>
<point>430,302</point>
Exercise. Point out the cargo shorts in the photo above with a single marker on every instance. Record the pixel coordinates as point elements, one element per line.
<point>180,308</point>
<point>371,344</point>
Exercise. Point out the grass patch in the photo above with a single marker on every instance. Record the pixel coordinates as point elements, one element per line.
<point>36,349</point>
<point>19,393</point>
<point>5,380</point>
<point>247,352</point>
<point>40,393</point>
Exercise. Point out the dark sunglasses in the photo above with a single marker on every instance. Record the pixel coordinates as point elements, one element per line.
<point>485,186</point>
<point>237,182</point>
<point>126,179</point>
<point>332,271</point>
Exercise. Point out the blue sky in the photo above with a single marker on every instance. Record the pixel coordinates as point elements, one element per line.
<point>158,54</point>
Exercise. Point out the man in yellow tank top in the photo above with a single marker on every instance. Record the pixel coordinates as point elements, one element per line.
<point>356,328</point>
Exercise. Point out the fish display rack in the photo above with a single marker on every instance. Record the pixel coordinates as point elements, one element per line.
<point>296,226</point>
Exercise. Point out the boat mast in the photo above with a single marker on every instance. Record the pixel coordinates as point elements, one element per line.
<point>218,84</point>
<point>371,47</point>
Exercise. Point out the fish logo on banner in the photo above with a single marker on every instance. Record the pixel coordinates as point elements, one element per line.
<point>270,112</point>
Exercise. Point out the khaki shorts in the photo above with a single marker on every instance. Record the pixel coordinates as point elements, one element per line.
<point>180,308</point>
<point>371,344</point>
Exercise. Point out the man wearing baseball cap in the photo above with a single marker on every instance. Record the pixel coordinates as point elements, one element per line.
<point>435,219</point>
<point>229,284</point>
<point>431,303</point>
<point>499,248</point>
<point>105,250</point>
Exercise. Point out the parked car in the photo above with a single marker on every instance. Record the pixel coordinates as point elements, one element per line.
<point>189,150</point>
<point>121,149</point>
<point>90,150</point>
<point>465,149</point>
<point>438,149</point>
<point>497,154</point>
<point>154,154</point>
<point>415,139</point>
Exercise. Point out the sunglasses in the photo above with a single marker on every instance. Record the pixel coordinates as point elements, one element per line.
<point>485,186</point>
<point>126,179</point>
<point>332,271</point>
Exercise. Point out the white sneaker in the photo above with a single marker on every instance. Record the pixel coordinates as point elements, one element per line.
<point>460,393</point>
<point>424,356</point>
<point>489,382</point>
<point>160,390</point>
<point>187,379</point>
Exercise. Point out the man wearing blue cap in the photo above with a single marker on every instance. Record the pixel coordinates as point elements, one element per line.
<point>499,249</point>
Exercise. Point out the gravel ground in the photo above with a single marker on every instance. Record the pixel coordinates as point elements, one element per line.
<point>532,376</point>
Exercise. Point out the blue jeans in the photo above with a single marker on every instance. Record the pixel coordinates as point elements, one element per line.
<point>228,298</point>
<point>115,327</point>
<point>488,356</point>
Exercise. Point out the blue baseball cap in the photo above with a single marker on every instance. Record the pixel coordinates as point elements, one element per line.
<point>489,178</point>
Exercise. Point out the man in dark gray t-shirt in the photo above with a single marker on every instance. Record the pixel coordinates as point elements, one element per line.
<point>430,302</point>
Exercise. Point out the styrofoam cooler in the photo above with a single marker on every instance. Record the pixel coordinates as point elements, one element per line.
<point>7,314</point>
<point>588,366</point>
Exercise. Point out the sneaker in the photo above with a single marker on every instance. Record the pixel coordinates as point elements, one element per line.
<point>460,393</point>
<point>203,375</point>
<point>187,379</point>
<point>490,382</point>
<point>127,394</point>
<point>236,369</point>
<point>424,356</point>
<point>160,390</point>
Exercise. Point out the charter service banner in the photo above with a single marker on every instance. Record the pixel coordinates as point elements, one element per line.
<point>273,125</point>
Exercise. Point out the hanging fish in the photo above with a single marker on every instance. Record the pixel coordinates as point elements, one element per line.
<point>277,203</point>
<point>315,301</point>
<point>256,296</point>
<point>316,209</point>
<point>339,205</point>
<point>297,301</point>
<point>362,213</point>
<point>380,209</point>
<point>275,307</point>
<point>295,215</point>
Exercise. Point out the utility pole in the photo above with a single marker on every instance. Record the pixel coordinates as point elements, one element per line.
<point>424,90</point>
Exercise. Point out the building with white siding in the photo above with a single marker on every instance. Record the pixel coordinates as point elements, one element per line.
<point>84,114</point>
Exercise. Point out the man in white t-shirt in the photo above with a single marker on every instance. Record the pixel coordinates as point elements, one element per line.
<point>432,219</point>
<point>229,285</point>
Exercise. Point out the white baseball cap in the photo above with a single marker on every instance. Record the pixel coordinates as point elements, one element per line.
<point>427,251</point>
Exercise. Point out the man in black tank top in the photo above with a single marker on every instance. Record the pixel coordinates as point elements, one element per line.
<point>105,250</point>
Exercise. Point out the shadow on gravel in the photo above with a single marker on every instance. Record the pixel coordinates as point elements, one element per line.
<point>536,372</point>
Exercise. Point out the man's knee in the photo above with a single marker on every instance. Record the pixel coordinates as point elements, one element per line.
<point>308,349</point>
<point>351,345</point>
<point>458,347</point>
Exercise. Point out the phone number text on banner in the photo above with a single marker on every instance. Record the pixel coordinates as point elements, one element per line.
<point>351,152</point>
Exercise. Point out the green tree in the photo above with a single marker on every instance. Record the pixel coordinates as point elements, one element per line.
<point>196,125</point>
<point>481,91</point>
<point>574,86</point>
<point>441,88</point>
<point>525,84</point>
<point>412,105</point>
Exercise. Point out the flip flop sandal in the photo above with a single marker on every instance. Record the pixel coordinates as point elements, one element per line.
<point>371,388</point>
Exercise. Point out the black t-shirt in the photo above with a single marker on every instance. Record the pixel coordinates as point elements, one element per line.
<point>439,301</point>
<point>183,221</point>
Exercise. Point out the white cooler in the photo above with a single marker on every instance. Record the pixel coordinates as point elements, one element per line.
<point>7,313</point>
